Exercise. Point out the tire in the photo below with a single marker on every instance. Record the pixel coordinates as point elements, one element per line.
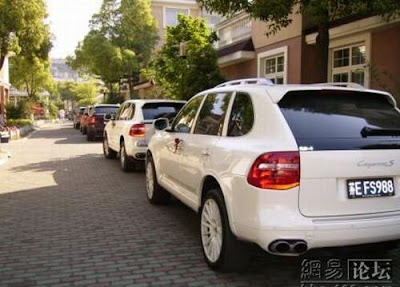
<point>84,130</point>
<point>107,151</point>
<point>221,250</point>
<point>90,137</point>
<point>155,193</point>
<point>125,164</point>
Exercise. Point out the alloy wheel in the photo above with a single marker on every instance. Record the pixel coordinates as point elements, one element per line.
<point>149,180</point>
<point>211,230</point>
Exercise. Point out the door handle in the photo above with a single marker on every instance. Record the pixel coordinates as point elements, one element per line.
<point>178,142</point>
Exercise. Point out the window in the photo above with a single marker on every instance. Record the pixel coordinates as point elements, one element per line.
<point>274,69</point>
<point>349,64</point>
<point>335,120</point>
<point>184,121</point>
<point>212,114</point>
<point>126,112</point>
<point>153,111</point>
<point>242,116</point>
<point>171,15</point>
<point>106,110</point>
<point>272,65</point>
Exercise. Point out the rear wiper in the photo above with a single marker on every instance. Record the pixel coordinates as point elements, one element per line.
<point>368,132</point>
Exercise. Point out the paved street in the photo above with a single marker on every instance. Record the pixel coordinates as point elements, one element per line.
<point>69,217</point>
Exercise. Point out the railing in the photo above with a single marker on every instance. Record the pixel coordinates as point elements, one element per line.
<point>234,30</point>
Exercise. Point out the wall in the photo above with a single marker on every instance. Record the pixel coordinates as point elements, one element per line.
<point>385,60</point>
<point>241,70</point>
<point>260,29</point>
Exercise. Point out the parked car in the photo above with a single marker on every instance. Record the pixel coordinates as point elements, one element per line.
<point>288,167</point>
<point>96,122</point>
<point>128,133</point>
<point>84,120</point>
<point>78,112</point>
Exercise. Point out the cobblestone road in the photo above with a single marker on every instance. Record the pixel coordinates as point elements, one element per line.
<point>69,217</point>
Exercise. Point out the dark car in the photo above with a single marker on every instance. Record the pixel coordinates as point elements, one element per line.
<point>95,121</point>
<point>78,112</point>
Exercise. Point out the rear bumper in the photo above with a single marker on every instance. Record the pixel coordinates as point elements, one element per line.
<point>264,216</point>
<point>137,149</point>
<point>95,131</point>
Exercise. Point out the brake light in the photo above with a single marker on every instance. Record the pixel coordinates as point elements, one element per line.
<point>137,130</point>
<point>276,170</point>
<point>92,120</point>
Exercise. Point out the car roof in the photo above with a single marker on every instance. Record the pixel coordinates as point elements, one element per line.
<point>277,92</point>
<point>145,101</point>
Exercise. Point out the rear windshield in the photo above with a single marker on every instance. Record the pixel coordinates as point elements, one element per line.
<point>337,120</point>
<point>153,111</point>
<point>106,110</point>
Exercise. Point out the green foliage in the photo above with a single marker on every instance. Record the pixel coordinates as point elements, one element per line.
<point>53,110</point>
<point>30,74</point>
<point>22,28</point>
<point>121,39</point>
<point>22,110</point>
<point>18,122</point>
<point>183,77</point>
<point>85,93</point>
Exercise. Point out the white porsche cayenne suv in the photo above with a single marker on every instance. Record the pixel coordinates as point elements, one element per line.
<point>288,167</point>
<point>126,134</point>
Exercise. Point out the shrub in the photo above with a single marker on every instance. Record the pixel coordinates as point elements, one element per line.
<point>18,122</point>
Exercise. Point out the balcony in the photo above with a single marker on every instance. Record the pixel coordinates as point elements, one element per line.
<point>235,43</point>
<point>234,30</point>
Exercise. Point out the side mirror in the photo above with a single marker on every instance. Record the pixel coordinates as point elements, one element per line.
<point>161,124</point>
<point>108,117</point>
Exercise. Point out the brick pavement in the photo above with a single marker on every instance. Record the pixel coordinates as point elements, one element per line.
<point>69,217</point>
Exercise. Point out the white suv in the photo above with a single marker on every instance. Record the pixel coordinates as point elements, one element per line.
<point>288,167</point>
<point>128,132</point>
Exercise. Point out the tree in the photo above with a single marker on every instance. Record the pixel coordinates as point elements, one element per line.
<point>22,28</point>
<point>322,12</point>
<point>120,42</point>
<point>197,70</point>
<point>31,74</point>
<point>86,93</point>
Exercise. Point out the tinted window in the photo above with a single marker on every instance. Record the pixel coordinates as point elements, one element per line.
<point>212,114</point>
<point>153,111</point>
<point>242,116</point>
<point>336,119</point>
<point>106,110</point>
<point>127,113</point>
<point>185,119</point>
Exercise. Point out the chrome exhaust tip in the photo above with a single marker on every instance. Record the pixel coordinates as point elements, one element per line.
<point>280,246</point>
<point>299,247</point>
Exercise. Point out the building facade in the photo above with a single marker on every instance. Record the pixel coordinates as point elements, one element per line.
<point>364,51</point>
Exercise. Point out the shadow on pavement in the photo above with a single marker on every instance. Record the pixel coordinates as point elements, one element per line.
<point>96,225</point>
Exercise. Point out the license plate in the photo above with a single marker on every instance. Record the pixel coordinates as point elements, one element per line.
<point>363,188</point>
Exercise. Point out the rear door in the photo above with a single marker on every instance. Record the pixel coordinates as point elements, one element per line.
<point>349,144</point>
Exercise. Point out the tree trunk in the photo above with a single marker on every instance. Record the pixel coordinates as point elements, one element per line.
<point>2,59</point>
<point>323,51</point>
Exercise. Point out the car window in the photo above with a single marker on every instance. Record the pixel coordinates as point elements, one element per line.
<point>127,112</point>
<point>106,109</point>
<point>153,111</point>
<point>337,120</point>
<point>242,116</point>
<point>212,114</point>
<point>184,121</point>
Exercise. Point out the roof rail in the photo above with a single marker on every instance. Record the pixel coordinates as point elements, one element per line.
<point>341,84</point>
<point>249,81</point>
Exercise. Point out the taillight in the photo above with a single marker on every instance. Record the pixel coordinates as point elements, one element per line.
<point>275,170</point>
<point>92,120</point>
<point>137,130</point>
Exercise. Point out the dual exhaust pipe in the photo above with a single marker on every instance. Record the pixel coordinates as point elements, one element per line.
<point>294,247</point>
